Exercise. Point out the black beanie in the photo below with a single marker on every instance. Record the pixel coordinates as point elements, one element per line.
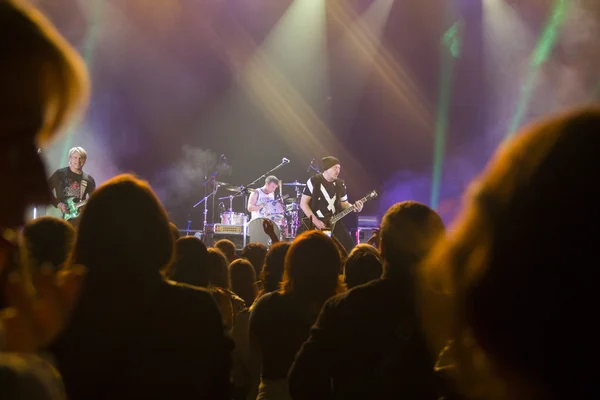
<point>329,162</point>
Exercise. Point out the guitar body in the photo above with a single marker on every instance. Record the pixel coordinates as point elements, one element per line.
<point>73,209</point>
<point>73,212</point>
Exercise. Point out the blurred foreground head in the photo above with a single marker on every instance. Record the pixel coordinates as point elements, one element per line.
<point>521,262</point>
<point>43,81</point>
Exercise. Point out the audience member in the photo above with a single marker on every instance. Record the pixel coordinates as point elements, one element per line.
<point>520,270</point>
<point>43,82</point>
<point>368,342</point>
<point>363,265</point>
<point>255,253</point>
<point>243,280</point>
<point>174,231</point>
<point>47,241</point>
<point>228,248</point>
<point>272,271</point>
<point>133,334</point>
<point>280,321</point>
<point>218,283</point>
<point>191,262</point>
<point>270,280</point>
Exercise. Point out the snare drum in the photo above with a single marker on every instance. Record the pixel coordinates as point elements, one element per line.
<point>233,218</point>
<point>257,233</point>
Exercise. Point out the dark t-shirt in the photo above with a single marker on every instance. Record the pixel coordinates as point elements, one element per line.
<point>164,343</point>
<point>65,183</point>
<point>367,343</point>
<point>328,197</point>
<point>279,326</point>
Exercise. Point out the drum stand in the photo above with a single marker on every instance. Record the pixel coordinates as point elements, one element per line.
<point>230,204</point>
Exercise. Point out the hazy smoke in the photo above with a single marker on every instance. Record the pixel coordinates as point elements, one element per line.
<point>184,180</point>
<point>459,171</point>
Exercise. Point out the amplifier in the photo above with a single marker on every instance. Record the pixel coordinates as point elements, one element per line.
<point>368,221</point>
<point>211,238</point>
<point>231,229</point>
<point>363,234</point>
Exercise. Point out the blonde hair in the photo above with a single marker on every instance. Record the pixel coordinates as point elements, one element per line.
<point>43,79</point>
<point>79,150</point>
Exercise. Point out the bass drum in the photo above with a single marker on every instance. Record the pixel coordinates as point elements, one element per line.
<point>257,233</point>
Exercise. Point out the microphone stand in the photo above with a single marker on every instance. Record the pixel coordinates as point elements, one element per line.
<point>314,169</point>
<point>244,190</point>
<point>205,201</point>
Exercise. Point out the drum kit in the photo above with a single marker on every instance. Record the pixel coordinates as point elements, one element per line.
<point>283,212</point>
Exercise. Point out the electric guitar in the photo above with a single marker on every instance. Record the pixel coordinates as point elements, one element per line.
<point>73,209</point>
<point>330,221</point>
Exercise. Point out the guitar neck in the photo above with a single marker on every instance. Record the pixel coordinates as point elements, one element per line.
<point>347,211</point>
<point>81,204</point>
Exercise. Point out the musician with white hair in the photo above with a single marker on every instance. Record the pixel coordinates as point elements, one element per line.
<point>70,186</point>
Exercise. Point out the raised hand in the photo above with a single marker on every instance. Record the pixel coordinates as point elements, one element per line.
<point>269,229</point>
<point>374,239</point>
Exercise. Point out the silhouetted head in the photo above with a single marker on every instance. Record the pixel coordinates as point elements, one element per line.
<point>255,253</point>
<point>243,278</point>
<point>47,240</point>
<point>132,245</point>
<point>228,248</point>
<point>312,267</point>
<point>409,230</point>
<point>272,271</point>
<point>218,274</point>
<point>520,259</point>
<point>43,81</point>
<point>174,231</point>
<point>191,262</point>
<point>363,265</point>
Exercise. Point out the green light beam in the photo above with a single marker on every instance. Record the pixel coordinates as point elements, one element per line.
<point>539,56</point>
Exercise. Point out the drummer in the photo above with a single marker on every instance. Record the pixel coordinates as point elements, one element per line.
<point>260,203</point>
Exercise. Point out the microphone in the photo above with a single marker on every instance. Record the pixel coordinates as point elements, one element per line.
<point>39,151</point>
<point>310,165</point>
<point>285,160</point>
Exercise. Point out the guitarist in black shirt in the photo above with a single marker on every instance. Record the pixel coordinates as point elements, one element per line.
<point>70,185</point>
<point>324,196</point>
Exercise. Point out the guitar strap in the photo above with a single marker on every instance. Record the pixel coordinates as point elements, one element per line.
<point>82,188</point>
<point>314,200</point>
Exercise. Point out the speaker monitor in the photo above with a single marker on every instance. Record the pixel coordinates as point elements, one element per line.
<point>212,238</point>
<point>364,234</point>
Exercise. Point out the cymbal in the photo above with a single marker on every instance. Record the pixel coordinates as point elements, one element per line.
<point>295,183</point>
<point>231,188</point>
<point>226,186</point>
